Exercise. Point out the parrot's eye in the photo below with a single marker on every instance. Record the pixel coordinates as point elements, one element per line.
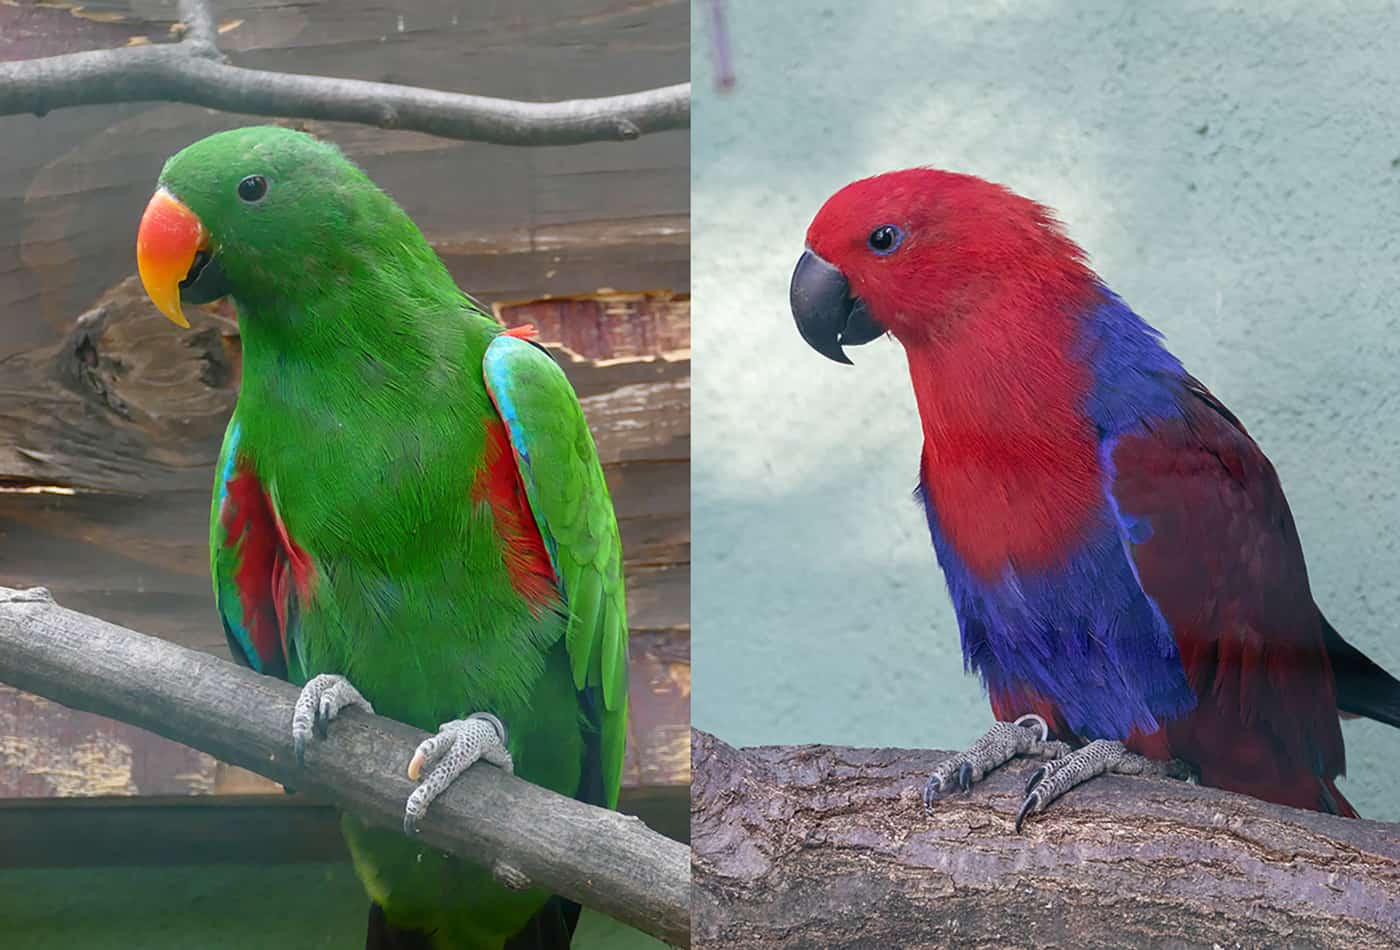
<point>252,188</point>
<point>885,239</point>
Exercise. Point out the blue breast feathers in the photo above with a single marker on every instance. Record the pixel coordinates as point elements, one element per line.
<point>1083,634</point>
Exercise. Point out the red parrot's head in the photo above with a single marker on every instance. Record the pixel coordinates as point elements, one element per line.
<point>914,253</point>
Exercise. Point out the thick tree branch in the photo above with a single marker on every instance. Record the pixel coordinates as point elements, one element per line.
<point>193,71</point>
<point>525,834</point>
<point>815,846</point>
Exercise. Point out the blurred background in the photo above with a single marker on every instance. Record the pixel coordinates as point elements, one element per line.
<point>1233,172</point>
<point>111,419</point>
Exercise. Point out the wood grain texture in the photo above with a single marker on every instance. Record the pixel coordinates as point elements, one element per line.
<point>511,223</point>
<point>607,324</point>
<point>818,846</point>
<point>523,833</point>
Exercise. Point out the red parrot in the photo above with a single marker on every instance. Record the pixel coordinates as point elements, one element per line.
<point>1126,574</point>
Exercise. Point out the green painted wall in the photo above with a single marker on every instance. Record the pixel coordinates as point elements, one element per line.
<point>223,907</point>
<point>1233,171</point>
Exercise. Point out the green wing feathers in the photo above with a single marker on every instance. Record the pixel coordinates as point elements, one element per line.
<point>569,498</point>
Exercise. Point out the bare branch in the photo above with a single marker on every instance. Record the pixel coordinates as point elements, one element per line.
<point>815,846</point>
<point>199,26</point>
<point>192,71</point>
<point>526,835</point>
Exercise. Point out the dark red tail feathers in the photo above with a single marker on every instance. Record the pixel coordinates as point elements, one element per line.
<point>551,929</point>
<point>1363,688</point>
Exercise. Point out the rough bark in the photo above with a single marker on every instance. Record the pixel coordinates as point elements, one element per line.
<point>816,846</point>
<point>523,833</point>
<point>194,71</point>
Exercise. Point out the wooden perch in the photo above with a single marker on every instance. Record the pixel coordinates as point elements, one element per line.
<point>194,71</point>
<point>815,846</point>
<point>525,834</point>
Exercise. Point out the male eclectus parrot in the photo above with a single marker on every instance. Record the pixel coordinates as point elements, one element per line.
<point>408,500</point>
<point>1125,571</point>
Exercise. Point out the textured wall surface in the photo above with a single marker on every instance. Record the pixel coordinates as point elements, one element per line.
<point>1234,175</point>
<point>214,907</point>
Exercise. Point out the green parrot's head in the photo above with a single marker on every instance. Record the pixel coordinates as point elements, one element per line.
<point>250,210</point>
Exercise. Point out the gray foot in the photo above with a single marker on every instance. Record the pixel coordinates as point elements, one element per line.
<point>1028,735</point>
<point>321,700</point>
<point>458,745</point>
<point>1053,779</point>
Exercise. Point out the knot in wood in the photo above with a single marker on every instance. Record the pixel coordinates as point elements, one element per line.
<point>30,595</point>
<point>509,876</point>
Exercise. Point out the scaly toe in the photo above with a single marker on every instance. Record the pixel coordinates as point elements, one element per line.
<point>1028,735</point>
<point>457,746</point>
<point>321,700</point>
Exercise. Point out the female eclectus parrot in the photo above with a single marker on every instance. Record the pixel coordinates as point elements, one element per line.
<point>1125,571</point>
<point>408,511</point>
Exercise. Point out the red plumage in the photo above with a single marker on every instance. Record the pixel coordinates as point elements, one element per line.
<point>1240,608</point>
<point>498,485</point>
<point>268,561</point>
<point>1060,437</point>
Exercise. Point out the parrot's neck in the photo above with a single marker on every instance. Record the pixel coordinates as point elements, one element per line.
<point>1019,410</point>
<point>360,381</point>
<point>1011,460</point>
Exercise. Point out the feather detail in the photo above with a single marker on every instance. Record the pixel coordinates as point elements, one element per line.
<point>498,486</point>
<point>584,606</point>
<point>254,542</point>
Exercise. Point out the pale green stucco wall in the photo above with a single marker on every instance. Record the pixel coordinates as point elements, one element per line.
<point>1234,175</point>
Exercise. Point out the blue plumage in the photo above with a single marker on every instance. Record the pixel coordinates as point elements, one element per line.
<point>1083,633</point>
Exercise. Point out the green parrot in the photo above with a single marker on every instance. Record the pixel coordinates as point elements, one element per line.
<point>409,514</point>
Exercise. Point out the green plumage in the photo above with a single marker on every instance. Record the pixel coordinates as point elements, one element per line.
<point>372,391</point>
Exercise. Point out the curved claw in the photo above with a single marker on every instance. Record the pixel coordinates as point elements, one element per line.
<point>321,700</point>
<point>1036,778</point>
<point>1028,807</point>
<point>965,777</point>
<point>931,791</point>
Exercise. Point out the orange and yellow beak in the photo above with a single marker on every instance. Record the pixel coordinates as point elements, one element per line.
<point>170,237</point>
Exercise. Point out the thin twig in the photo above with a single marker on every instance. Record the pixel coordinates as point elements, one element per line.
<point>193,71</point>
<point>721,53</point>
<point>526,835</point>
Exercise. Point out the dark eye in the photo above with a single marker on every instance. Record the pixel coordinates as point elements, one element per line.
<point>252,188</point>
<point>885,239</point>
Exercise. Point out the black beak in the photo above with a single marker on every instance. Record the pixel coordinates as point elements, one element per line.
<point>205,281</point>
<point>827,316</point>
